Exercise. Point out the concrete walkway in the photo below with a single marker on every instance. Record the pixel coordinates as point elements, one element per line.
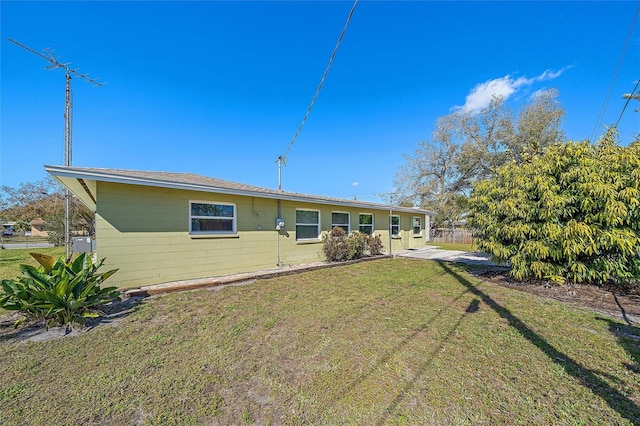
<point>434,253</point>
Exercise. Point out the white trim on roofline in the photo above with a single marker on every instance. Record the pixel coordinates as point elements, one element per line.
<point>105,175</point>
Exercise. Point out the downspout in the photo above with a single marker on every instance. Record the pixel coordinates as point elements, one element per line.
<point>281,160</point>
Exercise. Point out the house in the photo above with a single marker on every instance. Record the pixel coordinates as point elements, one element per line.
<point>158,227</point>
<point>38,228</point>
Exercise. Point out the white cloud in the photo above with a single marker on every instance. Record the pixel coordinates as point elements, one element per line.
<point>355,184</point>
<point>504,87</point>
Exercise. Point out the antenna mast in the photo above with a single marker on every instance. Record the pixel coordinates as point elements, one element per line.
<point>68,110</point>
<point>282,159</point>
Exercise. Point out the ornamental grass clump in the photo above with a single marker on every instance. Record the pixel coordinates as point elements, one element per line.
<point>58,292</point>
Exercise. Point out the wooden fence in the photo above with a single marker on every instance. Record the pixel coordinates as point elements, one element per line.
<point>447,235</point>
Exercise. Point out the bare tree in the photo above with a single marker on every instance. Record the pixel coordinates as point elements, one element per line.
<point>537,128</point>
<point>468,147</point>
<point>431,178</point>
<point>44,199</point>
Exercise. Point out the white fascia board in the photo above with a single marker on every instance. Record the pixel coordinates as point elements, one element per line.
<point>63,171</point>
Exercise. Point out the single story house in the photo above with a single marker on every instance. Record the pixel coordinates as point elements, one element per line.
<point>38,228</point>
<point>158,227</point>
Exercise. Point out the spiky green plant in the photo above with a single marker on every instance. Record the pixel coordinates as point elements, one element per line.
<point>59,292</point>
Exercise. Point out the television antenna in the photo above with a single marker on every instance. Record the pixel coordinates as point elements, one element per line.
<point>68,109</point>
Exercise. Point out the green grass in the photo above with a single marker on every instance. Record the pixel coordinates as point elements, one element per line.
<point>11,259</point>
<point>393,341</point>
<point>454,246</point>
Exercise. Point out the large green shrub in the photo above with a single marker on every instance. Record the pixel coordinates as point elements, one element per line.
<point>570,214</point>
<point>59,292</point>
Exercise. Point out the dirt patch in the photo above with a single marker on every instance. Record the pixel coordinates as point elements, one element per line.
<point>35,331</point>
<point>620,301</point>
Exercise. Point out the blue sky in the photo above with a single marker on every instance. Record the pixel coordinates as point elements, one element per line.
<point>219,88</point>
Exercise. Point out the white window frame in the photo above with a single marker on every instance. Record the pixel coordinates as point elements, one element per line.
<point>372,225</point>
<point>345,226</point>
<point>413,226</point>
<point>216,203</point>
<point>317,237</point>
<point>391,225</point>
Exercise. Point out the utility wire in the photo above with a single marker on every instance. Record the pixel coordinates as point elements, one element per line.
<point>283,158</point>
<point>615,75</point>
<point>627,103</point>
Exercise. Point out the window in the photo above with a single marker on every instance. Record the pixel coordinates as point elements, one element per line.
<point>417,226</point>
<point>366,223</point>
<point>341,220</point>
<point>212,218</point>
<point>307,224</point>
<point>394,222</point>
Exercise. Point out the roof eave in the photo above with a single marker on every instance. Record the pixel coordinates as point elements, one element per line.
<point>63,174</point>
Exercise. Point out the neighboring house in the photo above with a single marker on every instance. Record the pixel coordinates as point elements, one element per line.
<point>37,228</point>
<point>160,227</point>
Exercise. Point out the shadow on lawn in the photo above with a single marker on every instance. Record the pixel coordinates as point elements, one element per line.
<point>629,338</point>
<point>471,309</point>
<point>617,401</point>
<point>397,349</point>
<point>115,311</point>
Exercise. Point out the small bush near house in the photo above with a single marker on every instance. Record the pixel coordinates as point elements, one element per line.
<point>356,245</point>
<point>334,245</point>
<point>59,292</point>
<point>374,242</point>
<point>338,246</point>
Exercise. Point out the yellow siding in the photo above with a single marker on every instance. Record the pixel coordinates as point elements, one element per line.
<point>144,231</point>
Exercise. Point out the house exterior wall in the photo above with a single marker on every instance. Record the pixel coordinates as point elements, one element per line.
<point>37,231</point>
<point>144,232</point>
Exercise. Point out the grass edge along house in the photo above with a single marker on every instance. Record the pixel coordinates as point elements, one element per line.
<point>159,227</point>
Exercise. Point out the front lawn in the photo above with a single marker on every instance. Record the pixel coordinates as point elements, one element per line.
<point>393,341</point>
<point>11,259</point>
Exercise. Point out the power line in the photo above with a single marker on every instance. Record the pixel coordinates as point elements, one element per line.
<point>615,75</point>
<point>627,103</point>
<point>283,158</point>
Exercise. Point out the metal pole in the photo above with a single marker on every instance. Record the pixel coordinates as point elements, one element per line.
<point>280,161</point>
<point>278,247</point>
<point>54,63</point>
<point>390,226</point>
<point>278,230</point>
<point>67,162</point>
